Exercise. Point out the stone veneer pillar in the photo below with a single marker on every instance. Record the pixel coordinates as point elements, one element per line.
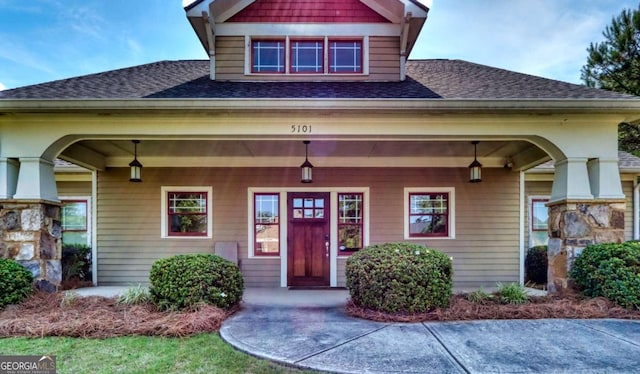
<point>31,234</point>
<point>575,225</point>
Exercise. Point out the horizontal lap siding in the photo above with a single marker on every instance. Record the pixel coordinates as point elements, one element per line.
<point>485,250</point>
<point>73,189</point>
<point>384,62</point>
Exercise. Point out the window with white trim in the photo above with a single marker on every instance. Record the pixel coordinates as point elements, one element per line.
<point>266,223</point>
<point>186,212</point>
<point>429,213</point>
<point>538,221</point>
<point>350,222</point>
<point>267,56</point>
<point>345,56</point>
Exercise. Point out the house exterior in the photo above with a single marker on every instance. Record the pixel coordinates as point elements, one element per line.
<point>222,142</point>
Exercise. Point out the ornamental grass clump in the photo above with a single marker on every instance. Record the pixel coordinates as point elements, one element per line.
<point>16,282</point>
<point>399,278</point>
<point>187,281</point>
<point>610,270</point>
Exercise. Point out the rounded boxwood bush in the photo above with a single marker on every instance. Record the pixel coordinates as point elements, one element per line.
<point>399,278</point>
<point>184,281</point>
<point>610,270</point>
<point>536,264</point>
<point>16,282</point>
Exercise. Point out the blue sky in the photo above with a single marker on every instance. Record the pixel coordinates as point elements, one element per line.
<point>44,40</point>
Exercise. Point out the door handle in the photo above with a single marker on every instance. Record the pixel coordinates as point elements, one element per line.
<point>326,247</point>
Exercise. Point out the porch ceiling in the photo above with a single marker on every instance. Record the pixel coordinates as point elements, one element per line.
<point>290,152</point>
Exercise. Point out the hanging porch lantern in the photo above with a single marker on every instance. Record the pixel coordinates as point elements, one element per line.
<point>135,165</point>
<point>475,168</point>
<point>306,166</point>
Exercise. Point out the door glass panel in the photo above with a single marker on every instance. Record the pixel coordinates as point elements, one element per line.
<point>319,213</point>
<point>297,213</point>
<point>308,203</point>
<point>308,213</point>
<point>319,203</point>
<point>297,203</point>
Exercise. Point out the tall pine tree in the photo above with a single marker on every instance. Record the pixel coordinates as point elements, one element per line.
<point>614,64</point>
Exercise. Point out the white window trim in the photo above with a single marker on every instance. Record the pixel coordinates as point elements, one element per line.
<point>287,55</point>
<point>452,211</point>
<point>86,199</point>
<point>164,190</point>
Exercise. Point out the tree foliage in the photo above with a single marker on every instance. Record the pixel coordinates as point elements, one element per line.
<point>614,64</point>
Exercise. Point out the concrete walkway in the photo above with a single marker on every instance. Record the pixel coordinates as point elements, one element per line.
<point>314,333</point>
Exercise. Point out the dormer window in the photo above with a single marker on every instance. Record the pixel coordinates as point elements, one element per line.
<point>317,56</point>
<point>345,56</point>
<point>267,56</point>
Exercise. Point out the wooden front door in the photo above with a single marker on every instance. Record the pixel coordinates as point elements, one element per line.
<point>308,239</point>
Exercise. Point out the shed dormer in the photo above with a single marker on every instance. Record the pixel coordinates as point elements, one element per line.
<point>307,40</point>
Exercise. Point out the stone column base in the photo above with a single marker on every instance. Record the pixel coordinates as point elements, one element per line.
<point>575,225</point>
<point>31,234</point>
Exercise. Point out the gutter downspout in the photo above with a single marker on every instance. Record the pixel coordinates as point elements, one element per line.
<point>636,209</point>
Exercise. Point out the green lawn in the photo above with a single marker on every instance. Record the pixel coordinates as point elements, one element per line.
<point>204,353</point>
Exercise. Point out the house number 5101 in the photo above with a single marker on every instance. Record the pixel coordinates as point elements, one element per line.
<point>301,129</point>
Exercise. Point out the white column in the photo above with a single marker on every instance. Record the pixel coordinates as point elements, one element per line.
<point>8,177</point>
<point>604,178</point>
<point>36,180</point>
<point>571,180</point>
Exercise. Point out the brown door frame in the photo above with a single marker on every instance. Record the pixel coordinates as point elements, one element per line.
<point>308,239</point>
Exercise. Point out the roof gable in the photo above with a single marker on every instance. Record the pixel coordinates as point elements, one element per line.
<point>307,11</point>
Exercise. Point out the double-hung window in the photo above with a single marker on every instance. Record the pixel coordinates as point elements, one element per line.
<point>266,224</point>
<point>350,222</point>
<point>429,213</point>
<point>187,212</point>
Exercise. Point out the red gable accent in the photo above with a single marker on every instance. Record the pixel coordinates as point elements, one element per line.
<point>308,11</point>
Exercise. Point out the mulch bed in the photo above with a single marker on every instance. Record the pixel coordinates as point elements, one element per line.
<point>568,305</point>
<point>45,314</point>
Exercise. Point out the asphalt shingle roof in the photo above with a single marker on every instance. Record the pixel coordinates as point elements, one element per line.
<point>426,79</point>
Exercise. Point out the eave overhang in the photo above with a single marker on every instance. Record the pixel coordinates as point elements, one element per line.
<point>628,107</point>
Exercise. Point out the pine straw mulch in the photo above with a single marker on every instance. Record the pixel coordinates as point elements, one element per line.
<point>567,305</point>
<point>45,314</point>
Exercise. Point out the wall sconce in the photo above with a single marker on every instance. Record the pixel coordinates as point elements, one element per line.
<point>306,165</point>
<point>475,168</point>
<point>135,165</point>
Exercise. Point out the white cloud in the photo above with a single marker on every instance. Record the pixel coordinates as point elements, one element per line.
<point>2,86</point>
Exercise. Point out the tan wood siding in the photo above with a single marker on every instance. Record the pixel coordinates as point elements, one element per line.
<point>540,188</point>
<point>73,188</point>
<point>384,62</point>
<point>485,250</point>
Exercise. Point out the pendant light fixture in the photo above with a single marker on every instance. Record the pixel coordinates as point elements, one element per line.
<point>475,168</point>
<point>306,165</point>
<point>135,165</point>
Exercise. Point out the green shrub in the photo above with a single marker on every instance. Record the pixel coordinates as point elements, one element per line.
<point>610,270</point>
<point>184,281</point>
<point>16,282</point>
<point>512,293</point>
<point>76,262</point>
<point>399,278</point>
<point>536,264</point>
